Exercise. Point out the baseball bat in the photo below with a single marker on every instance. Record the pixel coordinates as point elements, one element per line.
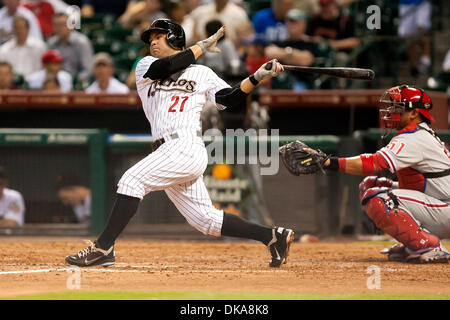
<point>339,72</point>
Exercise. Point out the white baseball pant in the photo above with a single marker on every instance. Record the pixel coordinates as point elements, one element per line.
<point>177,167</point>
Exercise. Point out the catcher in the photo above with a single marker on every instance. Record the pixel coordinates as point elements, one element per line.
<point>415,209</point>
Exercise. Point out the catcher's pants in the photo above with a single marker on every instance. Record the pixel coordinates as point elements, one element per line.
<point>177,167</point>
<point>431,214</point>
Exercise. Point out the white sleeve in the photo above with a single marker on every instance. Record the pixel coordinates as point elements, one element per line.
<point>214,84</point>
<point>16,210</point>
<point>401,153</point>
<point>141,68</point>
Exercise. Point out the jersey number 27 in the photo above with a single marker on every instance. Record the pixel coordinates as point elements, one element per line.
<point>175,100</point>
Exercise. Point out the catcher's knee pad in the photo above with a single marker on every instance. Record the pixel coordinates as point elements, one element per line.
<point>371,182</point>
<point>396,222</point>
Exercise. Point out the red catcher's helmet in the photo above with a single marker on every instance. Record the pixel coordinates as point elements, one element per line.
<point>399,99</point>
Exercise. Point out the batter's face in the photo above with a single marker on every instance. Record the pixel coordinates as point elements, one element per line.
<point>159,48</point>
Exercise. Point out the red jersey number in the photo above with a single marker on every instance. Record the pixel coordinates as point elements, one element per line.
<point>395,146</point>
<point>175,100</point>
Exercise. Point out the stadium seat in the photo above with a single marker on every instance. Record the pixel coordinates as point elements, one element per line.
<point>113,47</point>
<point>119,33</point>
<point>123,62</point>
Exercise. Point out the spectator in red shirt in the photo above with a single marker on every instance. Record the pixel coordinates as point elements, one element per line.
<point>255,57</point>
<point>44,12</point>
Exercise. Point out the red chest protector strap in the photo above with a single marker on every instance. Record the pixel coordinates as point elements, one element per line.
<point>410,179</point>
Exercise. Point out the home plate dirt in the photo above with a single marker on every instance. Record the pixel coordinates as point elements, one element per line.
<point>36,265</point>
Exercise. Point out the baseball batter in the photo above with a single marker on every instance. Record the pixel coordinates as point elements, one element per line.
<point>173,92</point>
<point>415,210</point>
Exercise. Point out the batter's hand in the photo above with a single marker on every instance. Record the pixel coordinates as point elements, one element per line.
<point>263,74</point>
<point>210,43</point>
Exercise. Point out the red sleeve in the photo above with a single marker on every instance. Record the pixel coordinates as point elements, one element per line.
<point>380,162</point>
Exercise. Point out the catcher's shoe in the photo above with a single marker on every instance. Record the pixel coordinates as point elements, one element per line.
<point>397,252</point>
<point>429,255</point>
<point>279,246</point>
<point>92,256</point>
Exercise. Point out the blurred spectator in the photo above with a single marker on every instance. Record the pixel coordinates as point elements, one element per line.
<point>297,49</point>
<point>44,12</point>
<point>74,194</point>
<point>310,7</point>
<point>60,6</point>
<point>104,80</point>
<point>333,26</point>
<point>269,23</point>
<point>6,77</point>
<point>52,63</point>
<point>73,46</point>
<point>176,10</point>
<point>131,79</point>
<point>11,9</point>
<point>142,14</point>
<point>12,206</point>
<point>256,57</point>
<point>414,21</point>
<point>51,84</point>
<point>226,63</point>
<point>115,7</point>
<point>446,63</point>
<point>191,5</point>
<point>232,16</point>
<point>23,52</point>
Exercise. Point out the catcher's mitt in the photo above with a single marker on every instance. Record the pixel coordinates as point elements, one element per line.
<point>300,161</point>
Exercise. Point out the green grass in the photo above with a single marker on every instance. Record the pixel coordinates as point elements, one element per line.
<point>100,295</point>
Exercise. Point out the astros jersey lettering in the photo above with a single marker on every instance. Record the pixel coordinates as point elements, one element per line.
<point>176,103</point>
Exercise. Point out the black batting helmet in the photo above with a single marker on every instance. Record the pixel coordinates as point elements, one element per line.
<point>176,37</point>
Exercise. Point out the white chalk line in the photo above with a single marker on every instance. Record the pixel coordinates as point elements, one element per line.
<point>151,269</point>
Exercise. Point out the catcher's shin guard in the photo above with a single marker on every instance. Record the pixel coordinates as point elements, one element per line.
<point>395,221</point>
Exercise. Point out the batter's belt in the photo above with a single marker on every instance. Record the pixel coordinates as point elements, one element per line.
<point>158,143</point>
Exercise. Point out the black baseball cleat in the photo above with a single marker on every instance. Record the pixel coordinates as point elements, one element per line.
<point>92,256</point>
<point>279,246</point>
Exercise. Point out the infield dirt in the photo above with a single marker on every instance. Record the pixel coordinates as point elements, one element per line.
<point>147,265</point>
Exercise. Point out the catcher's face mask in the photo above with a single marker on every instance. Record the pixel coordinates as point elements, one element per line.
<point>397,100</point>
<point>391,108</point>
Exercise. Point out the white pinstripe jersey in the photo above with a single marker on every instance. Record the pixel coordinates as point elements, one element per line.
<point>419,150</point>
<point>176,103</point>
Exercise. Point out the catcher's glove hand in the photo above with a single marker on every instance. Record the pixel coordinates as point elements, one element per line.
<point>301,161</point>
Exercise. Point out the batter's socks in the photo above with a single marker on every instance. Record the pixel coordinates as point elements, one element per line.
<point>234,226</point>
<point>123,210</point>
